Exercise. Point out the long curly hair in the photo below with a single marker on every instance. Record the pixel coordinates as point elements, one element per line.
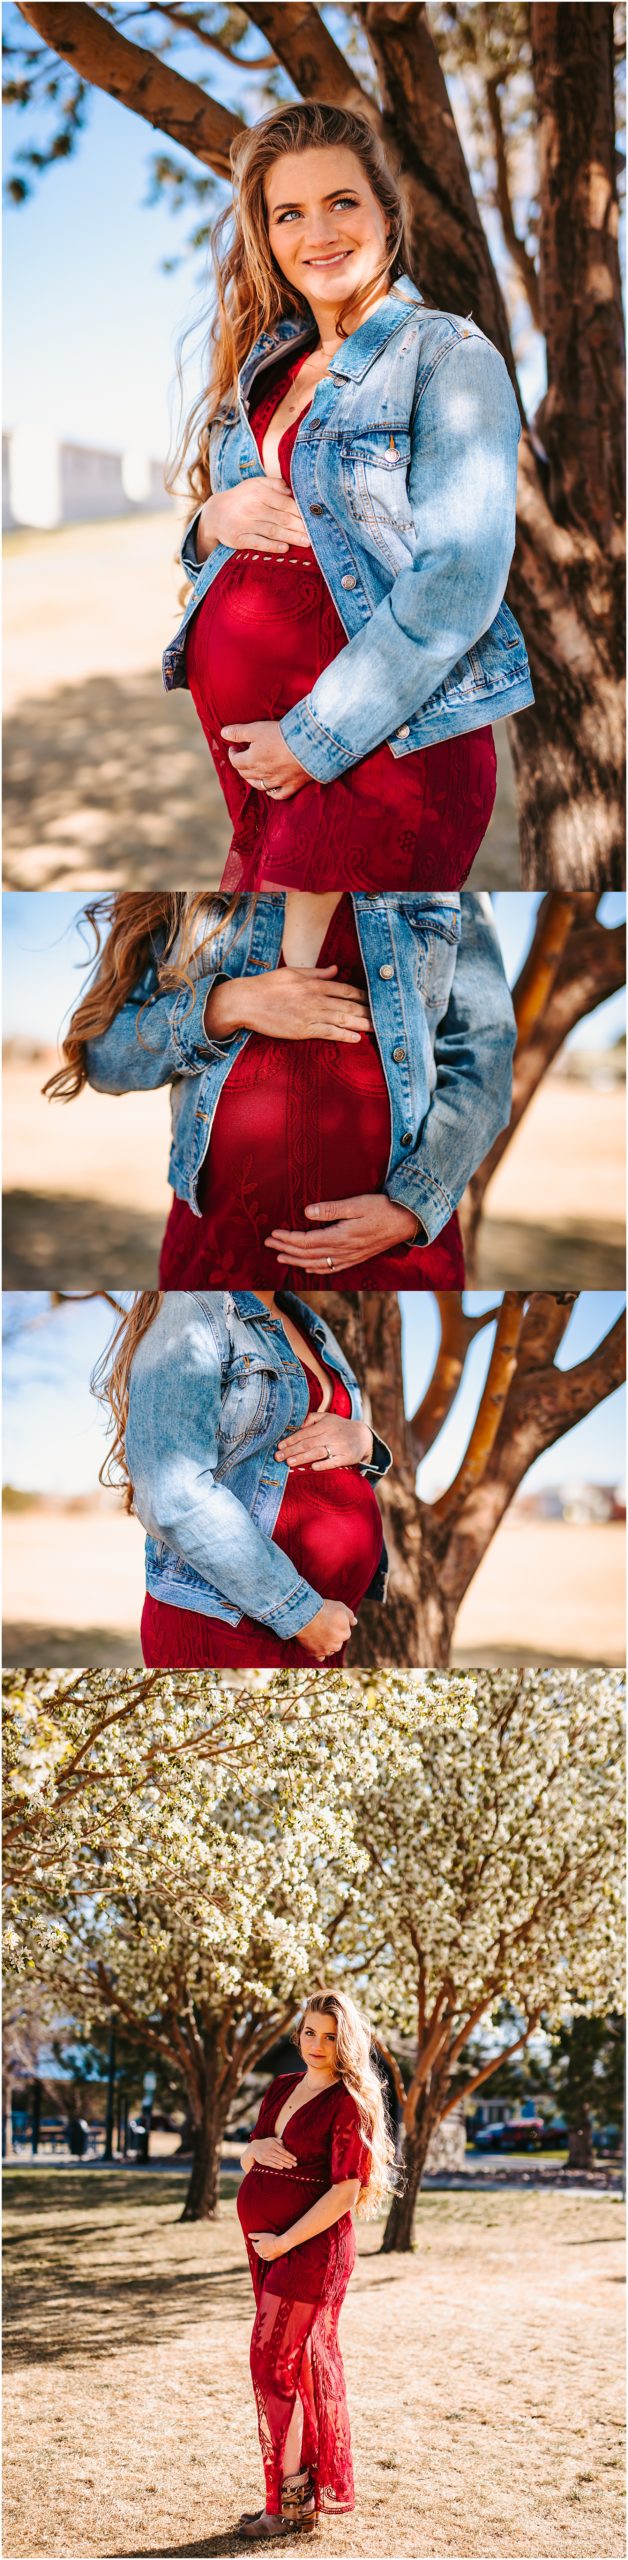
<point>110,1382</point>
<point>353,2063</point>
<point>133,930</point>
<point>251,292</point>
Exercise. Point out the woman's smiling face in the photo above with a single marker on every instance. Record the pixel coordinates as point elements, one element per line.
<point>326,228</point>
<point>318,2040</point>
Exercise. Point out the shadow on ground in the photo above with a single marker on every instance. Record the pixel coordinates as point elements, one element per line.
<point>72,1243</point>
<point>89,1648</point>
<point>83,2287</point>
<point>111,782</point>
<point>517,1255</point>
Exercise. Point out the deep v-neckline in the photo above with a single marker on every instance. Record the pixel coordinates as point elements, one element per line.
<point>319,962</point>
<point>302,2110</point>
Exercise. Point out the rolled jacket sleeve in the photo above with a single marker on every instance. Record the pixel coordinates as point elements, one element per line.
<point>473,1055</point>
<point>156,1037</point>
<point>462,497</point>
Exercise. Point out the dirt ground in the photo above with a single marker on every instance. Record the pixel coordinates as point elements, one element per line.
<point>108,781</point>
<point>483,2374</point>
<point>546,1592</point>
<point>86,1193</point>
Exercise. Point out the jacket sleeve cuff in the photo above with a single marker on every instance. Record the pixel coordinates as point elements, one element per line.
<point>380,1462</point>
<point>191,1042</point>
<point>188,554</point>
<point>291,1614</point>
<point>322,755</point>
<point>420,1192</point>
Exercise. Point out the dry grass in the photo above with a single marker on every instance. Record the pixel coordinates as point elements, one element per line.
<point>484,2378</point>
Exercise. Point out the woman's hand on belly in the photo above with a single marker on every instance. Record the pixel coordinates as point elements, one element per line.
<point>347,1231</point>
<point>327,1440</point>
<point>270,2153</point>
<point>269,2244</point>
<point>257,515</point>
<point>258,752</point>
<point>328,1631</point>
<point>288,1004</point>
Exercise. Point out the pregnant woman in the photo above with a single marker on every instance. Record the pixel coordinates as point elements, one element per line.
<point>346,642</point>
<point>240,1442</point>
<point>319,2152</point>
<point>339,1067</point>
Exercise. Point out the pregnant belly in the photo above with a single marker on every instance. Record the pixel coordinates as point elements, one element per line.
<point>260,638</point>
<point>271,2199</point>
<point>297,1122</point>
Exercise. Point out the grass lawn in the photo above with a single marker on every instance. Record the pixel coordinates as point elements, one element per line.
<point>484,2377</point>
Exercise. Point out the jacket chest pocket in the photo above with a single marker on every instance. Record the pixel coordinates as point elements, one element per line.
<point>375,468</point>
<point>244,1409</point>
<point>436,953</point>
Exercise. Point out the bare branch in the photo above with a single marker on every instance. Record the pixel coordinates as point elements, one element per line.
<point>138,79</point>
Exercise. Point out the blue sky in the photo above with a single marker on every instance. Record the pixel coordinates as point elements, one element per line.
<point>44,952</point>
<point>54,1436</point>
<point>91,324</point>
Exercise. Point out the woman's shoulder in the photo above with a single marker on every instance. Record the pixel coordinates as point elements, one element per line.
<point>346,2110</point>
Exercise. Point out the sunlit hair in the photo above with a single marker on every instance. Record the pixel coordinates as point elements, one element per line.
<point>251,292</point>
<point>133,931</point>
<point>111,1382</point>
<point>354,2066</point>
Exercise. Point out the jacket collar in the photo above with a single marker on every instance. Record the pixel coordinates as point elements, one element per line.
<point>357,352</point>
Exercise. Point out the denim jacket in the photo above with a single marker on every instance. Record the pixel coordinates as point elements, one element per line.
<point>404,469</point>
<point>214,1385</point>
<point>442,1017</point>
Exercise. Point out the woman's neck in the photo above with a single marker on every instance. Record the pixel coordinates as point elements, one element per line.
<point>329,336</point>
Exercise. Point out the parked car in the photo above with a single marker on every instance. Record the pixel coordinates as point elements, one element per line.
<point>523,2133</point>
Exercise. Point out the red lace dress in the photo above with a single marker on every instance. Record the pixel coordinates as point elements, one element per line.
<point>262,635</point>
<point>329,1525</point>
<point>295,2347</point>
<point>298,1121</point>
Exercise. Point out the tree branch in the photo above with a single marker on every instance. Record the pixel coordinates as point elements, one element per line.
<point>502,1369</point>
<point>583,412</point>
<point>302,42</point>
<point>138,80</point>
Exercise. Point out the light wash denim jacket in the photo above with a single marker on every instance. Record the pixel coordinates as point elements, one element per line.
<point>442,1017</point>
<point>214,1386</point>
<point>405,473</point>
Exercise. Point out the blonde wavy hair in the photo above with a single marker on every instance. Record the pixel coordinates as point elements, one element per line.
<point>251,292</point>
<point>354,2066</point>
<point>133,931</point>
<point>111,1383</point>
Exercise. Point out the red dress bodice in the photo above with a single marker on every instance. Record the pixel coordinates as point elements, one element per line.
<point>261,637</point>
<point>298,1121</point>
<point>329,1524</point>
<point>325,2137</point>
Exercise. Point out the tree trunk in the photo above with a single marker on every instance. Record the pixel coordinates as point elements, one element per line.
<point>202,2196</point>
<point>399,2232</point>
<point>581,2154</point>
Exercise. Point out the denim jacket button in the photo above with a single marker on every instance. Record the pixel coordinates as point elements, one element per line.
<point>404,732</point>
<point>407,1138</point>
<point>348,582</point>
<point>315,510</point>
<point>399,1055</point>
<point>387,970</point>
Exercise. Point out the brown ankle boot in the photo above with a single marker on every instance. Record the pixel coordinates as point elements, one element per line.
<point>298,2510</point>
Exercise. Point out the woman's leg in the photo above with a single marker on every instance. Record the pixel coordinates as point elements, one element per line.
<point>279,2345</point>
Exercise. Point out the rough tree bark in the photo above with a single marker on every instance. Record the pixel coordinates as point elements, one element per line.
<point>567,580</point>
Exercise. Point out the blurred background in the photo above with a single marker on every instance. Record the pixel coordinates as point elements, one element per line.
<point>549,1588</point>
<point>86,1191</point>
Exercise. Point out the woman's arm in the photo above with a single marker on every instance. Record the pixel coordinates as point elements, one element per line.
<point>154,1037</point>
<point>172,1453</point>
<point>462,497</point>
<point>472,1099</point>
<point>320,2217</point>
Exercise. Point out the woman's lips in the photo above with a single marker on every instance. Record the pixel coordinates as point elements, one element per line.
<point>336,260</point>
